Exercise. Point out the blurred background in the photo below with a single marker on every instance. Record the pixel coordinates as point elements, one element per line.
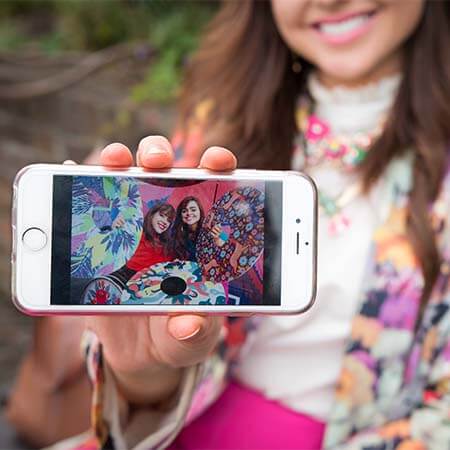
<point>75,75</point>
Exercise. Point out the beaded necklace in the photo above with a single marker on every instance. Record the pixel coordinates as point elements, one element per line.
<point>316,144</point>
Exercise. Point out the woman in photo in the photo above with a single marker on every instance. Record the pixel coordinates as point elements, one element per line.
<point>153,247</point>
<point>187,226</point>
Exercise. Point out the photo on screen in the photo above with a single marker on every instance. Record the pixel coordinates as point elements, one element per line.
<point>147,241</point>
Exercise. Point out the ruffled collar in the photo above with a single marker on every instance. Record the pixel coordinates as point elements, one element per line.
<point>354,110</point>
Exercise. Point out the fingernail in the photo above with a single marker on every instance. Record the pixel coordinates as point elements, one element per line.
<point>182,336</point>
<point>153,150</point>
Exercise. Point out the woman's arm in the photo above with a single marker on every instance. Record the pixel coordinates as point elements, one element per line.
<point>51,394</point>
<point>143,355</point>
<point>149,366</point>
<point>155,425</point>
<point>138,348</point>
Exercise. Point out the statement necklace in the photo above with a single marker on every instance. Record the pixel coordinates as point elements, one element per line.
<point>316,144</point>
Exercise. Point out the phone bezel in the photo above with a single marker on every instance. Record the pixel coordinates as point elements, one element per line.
<point>32,207</point>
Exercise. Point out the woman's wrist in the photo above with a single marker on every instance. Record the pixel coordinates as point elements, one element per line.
<point>150,386</point>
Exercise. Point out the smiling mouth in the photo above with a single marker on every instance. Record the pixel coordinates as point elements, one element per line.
<point>162,226</point>
<point>345,26</point>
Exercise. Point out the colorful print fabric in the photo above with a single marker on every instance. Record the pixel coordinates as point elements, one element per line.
<point>173,283</point>
<point>99,246</point>
<point>240,216</point>
<point>394,388</point>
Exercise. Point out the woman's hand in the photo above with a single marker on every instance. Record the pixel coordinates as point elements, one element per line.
<point>146,353</point>
<point>118,222</point>
<point>216,231</point>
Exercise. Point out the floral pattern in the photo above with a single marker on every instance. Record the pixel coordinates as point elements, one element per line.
<point>98,246</point>
<point>394,388</point>
<point>101,291</point>
<point>240,214</point>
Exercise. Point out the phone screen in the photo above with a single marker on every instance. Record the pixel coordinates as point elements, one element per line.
<point>152,241</point>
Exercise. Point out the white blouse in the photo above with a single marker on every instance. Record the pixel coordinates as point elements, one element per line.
<point>296,360</point>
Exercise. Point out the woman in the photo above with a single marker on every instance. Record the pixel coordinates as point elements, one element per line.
<point>187,226</point>
<point>153,247</point>
<point>357,94</point>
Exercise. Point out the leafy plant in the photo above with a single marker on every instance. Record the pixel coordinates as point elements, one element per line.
<point>174,35</point>
<point>172,28</point>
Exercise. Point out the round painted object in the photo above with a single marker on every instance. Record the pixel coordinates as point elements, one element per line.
<point>101,291</point>
<point>173,283</point>
<point>239,219</point>
<point>107,221</point>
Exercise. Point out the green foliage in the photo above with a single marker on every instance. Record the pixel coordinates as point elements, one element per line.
<point>93,25</point>
<point>21,21</point>
<point>174,35</point>
<point>161,81</point>
<point>171,27</point>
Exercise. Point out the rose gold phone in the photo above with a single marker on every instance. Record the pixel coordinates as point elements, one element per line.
<point>87,240</point>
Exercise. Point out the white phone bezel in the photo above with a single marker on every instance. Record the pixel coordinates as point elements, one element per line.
<point>32,208</point>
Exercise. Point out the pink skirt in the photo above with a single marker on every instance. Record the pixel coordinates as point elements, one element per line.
<point>244,419</point>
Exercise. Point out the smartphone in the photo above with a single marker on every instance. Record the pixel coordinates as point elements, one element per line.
<point>88,240</point>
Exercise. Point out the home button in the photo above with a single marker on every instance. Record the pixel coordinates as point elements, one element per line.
<point>34,239</point>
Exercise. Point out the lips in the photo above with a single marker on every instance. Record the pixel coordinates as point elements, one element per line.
<point>162,226</point>
<point>344,28</point>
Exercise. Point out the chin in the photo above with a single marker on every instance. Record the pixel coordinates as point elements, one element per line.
<point>349,72</point>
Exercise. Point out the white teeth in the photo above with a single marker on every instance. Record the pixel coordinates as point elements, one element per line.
<point>345,26</point>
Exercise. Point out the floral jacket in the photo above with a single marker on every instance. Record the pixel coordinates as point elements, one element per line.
<point>394,388</point>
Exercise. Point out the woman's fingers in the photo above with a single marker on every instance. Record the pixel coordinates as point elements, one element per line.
<point>155,152</point>
<point>218,158</point>
<point>116,155</point>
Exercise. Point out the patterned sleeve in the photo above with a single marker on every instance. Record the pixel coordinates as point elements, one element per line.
<point>113,425</point>
<point>427,426</point>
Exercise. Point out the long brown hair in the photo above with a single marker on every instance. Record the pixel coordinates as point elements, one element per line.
<point>244,67</point>
<point>181,233</point>
<point>158,240</point>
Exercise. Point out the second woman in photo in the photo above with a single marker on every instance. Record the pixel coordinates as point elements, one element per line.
<point>186,228</point>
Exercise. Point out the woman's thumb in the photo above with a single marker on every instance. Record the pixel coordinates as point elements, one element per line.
<point>190,339</point>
